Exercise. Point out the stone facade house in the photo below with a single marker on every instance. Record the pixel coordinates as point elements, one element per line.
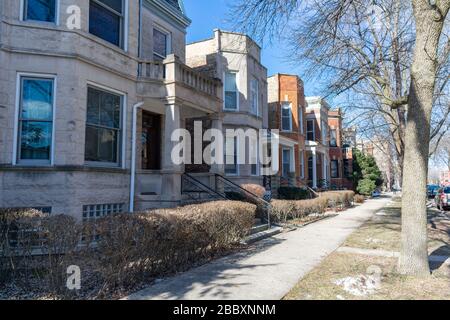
<point>86,114</point>
<point>235,59</point>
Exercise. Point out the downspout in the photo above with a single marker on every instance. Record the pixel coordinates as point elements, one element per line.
<point>133,154</point>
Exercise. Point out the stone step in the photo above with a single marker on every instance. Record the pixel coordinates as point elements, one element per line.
<point>259,228</point>
<point>263,235</point>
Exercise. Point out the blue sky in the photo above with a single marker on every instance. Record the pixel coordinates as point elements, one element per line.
<point>207,15</point>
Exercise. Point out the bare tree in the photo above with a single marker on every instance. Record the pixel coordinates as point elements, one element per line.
<point>396,59</point>
<point>430,16</point>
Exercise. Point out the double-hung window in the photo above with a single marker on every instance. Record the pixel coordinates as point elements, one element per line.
<point>335,168</point>
<point>40,10</point>
<point>286,166</point>
<point>324,129</point>
<point>310,130</point>
<point>231,91</point>
<point>161,44</point>
<point>333,138</point>
<point>254,157</point>
<point>36,108</point>
<point>231,156</point>
<point>286,116</point>
<point>300,113</point>
<point>254,95</point>
<point>103,127</point>
<point>302,164</point>
<point>106,20</point>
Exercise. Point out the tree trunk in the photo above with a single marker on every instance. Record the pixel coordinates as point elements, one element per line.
<point>414,249</point>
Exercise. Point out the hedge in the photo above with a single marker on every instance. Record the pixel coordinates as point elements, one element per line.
<point>117,252</point>
<point>284,210</point>
<point>292,193</point>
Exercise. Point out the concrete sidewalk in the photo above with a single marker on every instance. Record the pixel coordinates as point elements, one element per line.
<point>268,269</point>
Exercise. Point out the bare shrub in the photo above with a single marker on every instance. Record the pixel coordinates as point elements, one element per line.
<point>283,210</point>
<point>118,252</point>
<point>256,189</point>
<point>133,248</point>
<point>360,199</point>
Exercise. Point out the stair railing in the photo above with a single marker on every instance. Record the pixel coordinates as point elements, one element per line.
<point>189,179</point>
<point>248,194</point>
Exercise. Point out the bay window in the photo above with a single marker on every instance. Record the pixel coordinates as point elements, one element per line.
<point>103,127</point>
<point>35,125</point>
<point>106,20</point>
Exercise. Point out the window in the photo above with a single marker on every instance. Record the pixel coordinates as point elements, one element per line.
<point>254,89</point>
<point>35,120</point>
<point>253,150</point>
<point>286,169</point>
<point>324,130</point>
<point>300,112</point>
<point>103,126</point>
<point>333,138</point>
<point>310,130</point>
<point>40,10</point>
<point>286,117</point>
<point>97,211</point>
<point>106,20</point>
<point>302,164</point>
<point>334,168</point>
<point>231,156</point>
<point>231,91</point>
<point>310,168</point>
<point>347,168</point>
<point>160,44</point>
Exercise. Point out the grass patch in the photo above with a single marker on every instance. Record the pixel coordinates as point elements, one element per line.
<point>320,284</point>
<point>327,281</point>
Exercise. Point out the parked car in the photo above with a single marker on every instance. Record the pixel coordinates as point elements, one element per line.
<point>442,198</point>
<point>376,194</point>
<point>432,190</point>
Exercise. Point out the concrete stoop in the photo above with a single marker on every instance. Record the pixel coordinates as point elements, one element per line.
<point>260,232</point>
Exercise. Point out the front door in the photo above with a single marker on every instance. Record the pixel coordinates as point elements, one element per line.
<point>151,141</point>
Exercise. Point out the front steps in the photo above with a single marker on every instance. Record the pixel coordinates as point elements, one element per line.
<point>260,232</point>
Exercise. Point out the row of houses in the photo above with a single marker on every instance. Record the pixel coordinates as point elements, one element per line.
<point>87,112</point>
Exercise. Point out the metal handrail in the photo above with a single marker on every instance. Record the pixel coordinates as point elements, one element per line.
<point>252,195</point>
<point>201,185</point>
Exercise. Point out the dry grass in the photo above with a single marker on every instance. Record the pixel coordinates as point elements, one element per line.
<point>381,233</point>
<point>320,283</point>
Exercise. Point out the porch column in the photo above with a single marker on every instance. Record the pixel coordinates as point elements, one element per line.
<point>171,183</point>
<point>324,167</point>
<point>314,167</point>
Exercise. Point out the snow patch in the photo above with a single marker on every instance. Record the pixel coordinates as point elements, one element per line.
<point>359,286</point>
